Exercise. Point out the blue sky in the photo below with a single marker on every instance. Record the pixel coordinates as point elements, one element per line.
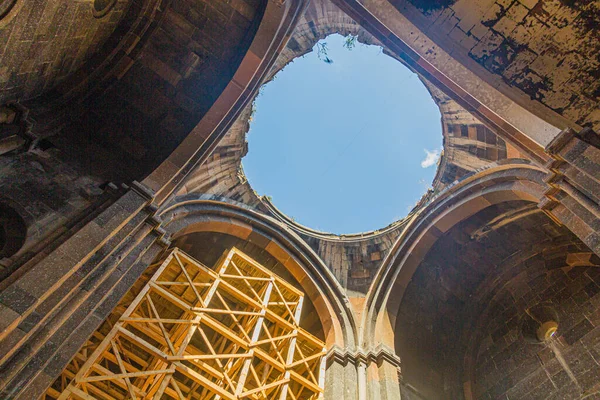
<point>344,147</point>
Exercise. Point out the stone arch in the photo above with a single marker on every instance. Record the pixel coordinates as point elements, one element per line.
<point>387,314</point>
<point>475,286</point>
<point>8,9</point>
<point>498,184</point>
<point>209,214</point>
<point>275,27</point>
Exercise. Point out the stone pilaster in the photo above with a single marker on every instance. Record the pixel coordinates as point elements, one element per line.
<point>573,196</point>
<point>362,374</point>
<point>49,312</point>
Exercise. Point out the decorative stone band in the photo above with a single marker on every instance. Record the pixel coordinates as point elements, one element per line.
<point>573,194</point>
<point>154,218</point>
<point>360,356</point>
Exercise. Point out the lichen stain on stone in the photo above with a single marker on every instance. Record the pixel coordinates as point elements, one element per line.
<point>589,18</point>
<point>539,11</point>
<point>533,85</point>
<point>499,15</point>
<point>429,6</point>
<point>501,58</point>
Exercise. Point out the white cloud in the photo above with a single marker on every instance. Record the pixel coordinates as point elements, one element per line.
<point>431,158</point>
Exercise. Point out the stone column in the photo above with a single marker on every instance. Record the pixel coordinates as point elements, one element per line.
<point>573,196</point>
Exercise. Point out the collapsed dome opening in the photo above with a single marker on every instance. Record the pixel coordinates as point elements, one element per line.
<point>344,130</point>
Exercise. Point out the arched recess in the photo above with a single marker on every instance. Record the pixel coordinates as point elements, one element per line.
<point>464,328</point>
<point>548,275</point>
<point>497,184</point>
<point>193,214</point>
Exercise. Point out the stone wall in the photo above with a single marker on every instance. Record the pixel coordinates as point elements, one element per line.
<point>121,132</point>
<point>440,320</point>
<point>50,197</point>
<point>355,261</point>
<point>509,363</point>
<point>42,42</point>
<point>468,144</point>
<point>162,92</point>
<point>222,173</point>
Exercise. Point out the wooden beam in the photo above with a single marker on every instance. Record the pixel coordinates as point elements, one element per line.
<point>232,331</point>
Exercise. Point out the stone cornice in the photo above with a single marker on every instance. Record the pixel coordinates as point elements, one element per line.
<point>560,141</point>
<point>361,356</point>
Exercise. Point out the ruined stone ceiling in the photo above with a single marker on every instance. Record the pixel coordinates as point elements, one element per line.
<point>468,144</point>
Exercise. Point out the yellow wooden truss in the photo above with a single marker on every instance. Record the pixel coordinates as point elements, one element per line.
<point>197,333</point>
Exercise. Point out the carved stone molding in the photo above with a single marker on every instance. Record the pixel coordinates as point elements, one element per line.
<point>361,356</point>
<point>573,194</point>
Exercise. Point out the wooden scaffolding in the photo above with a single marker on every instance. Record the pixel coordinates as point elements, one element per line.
<point>197,333</point>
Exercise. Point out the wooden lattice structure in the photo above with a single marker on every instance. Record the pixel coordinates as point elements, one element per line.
<point>198,333</point>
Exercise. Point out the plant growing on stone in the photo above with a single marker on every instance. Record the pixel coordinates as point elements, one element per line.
<point>322,52</point>
<point>350,41</point>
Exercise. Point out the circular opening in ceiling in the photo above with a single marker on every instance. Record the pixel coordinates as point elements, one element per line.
<point>345,139</point>
<point>102,7</point>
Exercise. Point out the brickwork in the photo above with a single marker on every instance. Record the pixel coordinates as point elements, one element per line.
<point>48,40</point>
<point>468,144</point>
<point>354,262</point>
<point>547,49</point>
<point>222,173</point>
<point>448,295</point>
<point>63,178</point>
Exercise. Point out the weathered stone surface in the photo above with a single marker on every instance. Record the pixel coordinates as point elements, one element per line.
<point>460,328</point>
<point>547,49</point>
<point>45,41</point>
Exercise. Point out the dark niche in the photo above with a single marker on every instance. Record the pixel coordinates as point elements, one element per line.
<point>6,6</point>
